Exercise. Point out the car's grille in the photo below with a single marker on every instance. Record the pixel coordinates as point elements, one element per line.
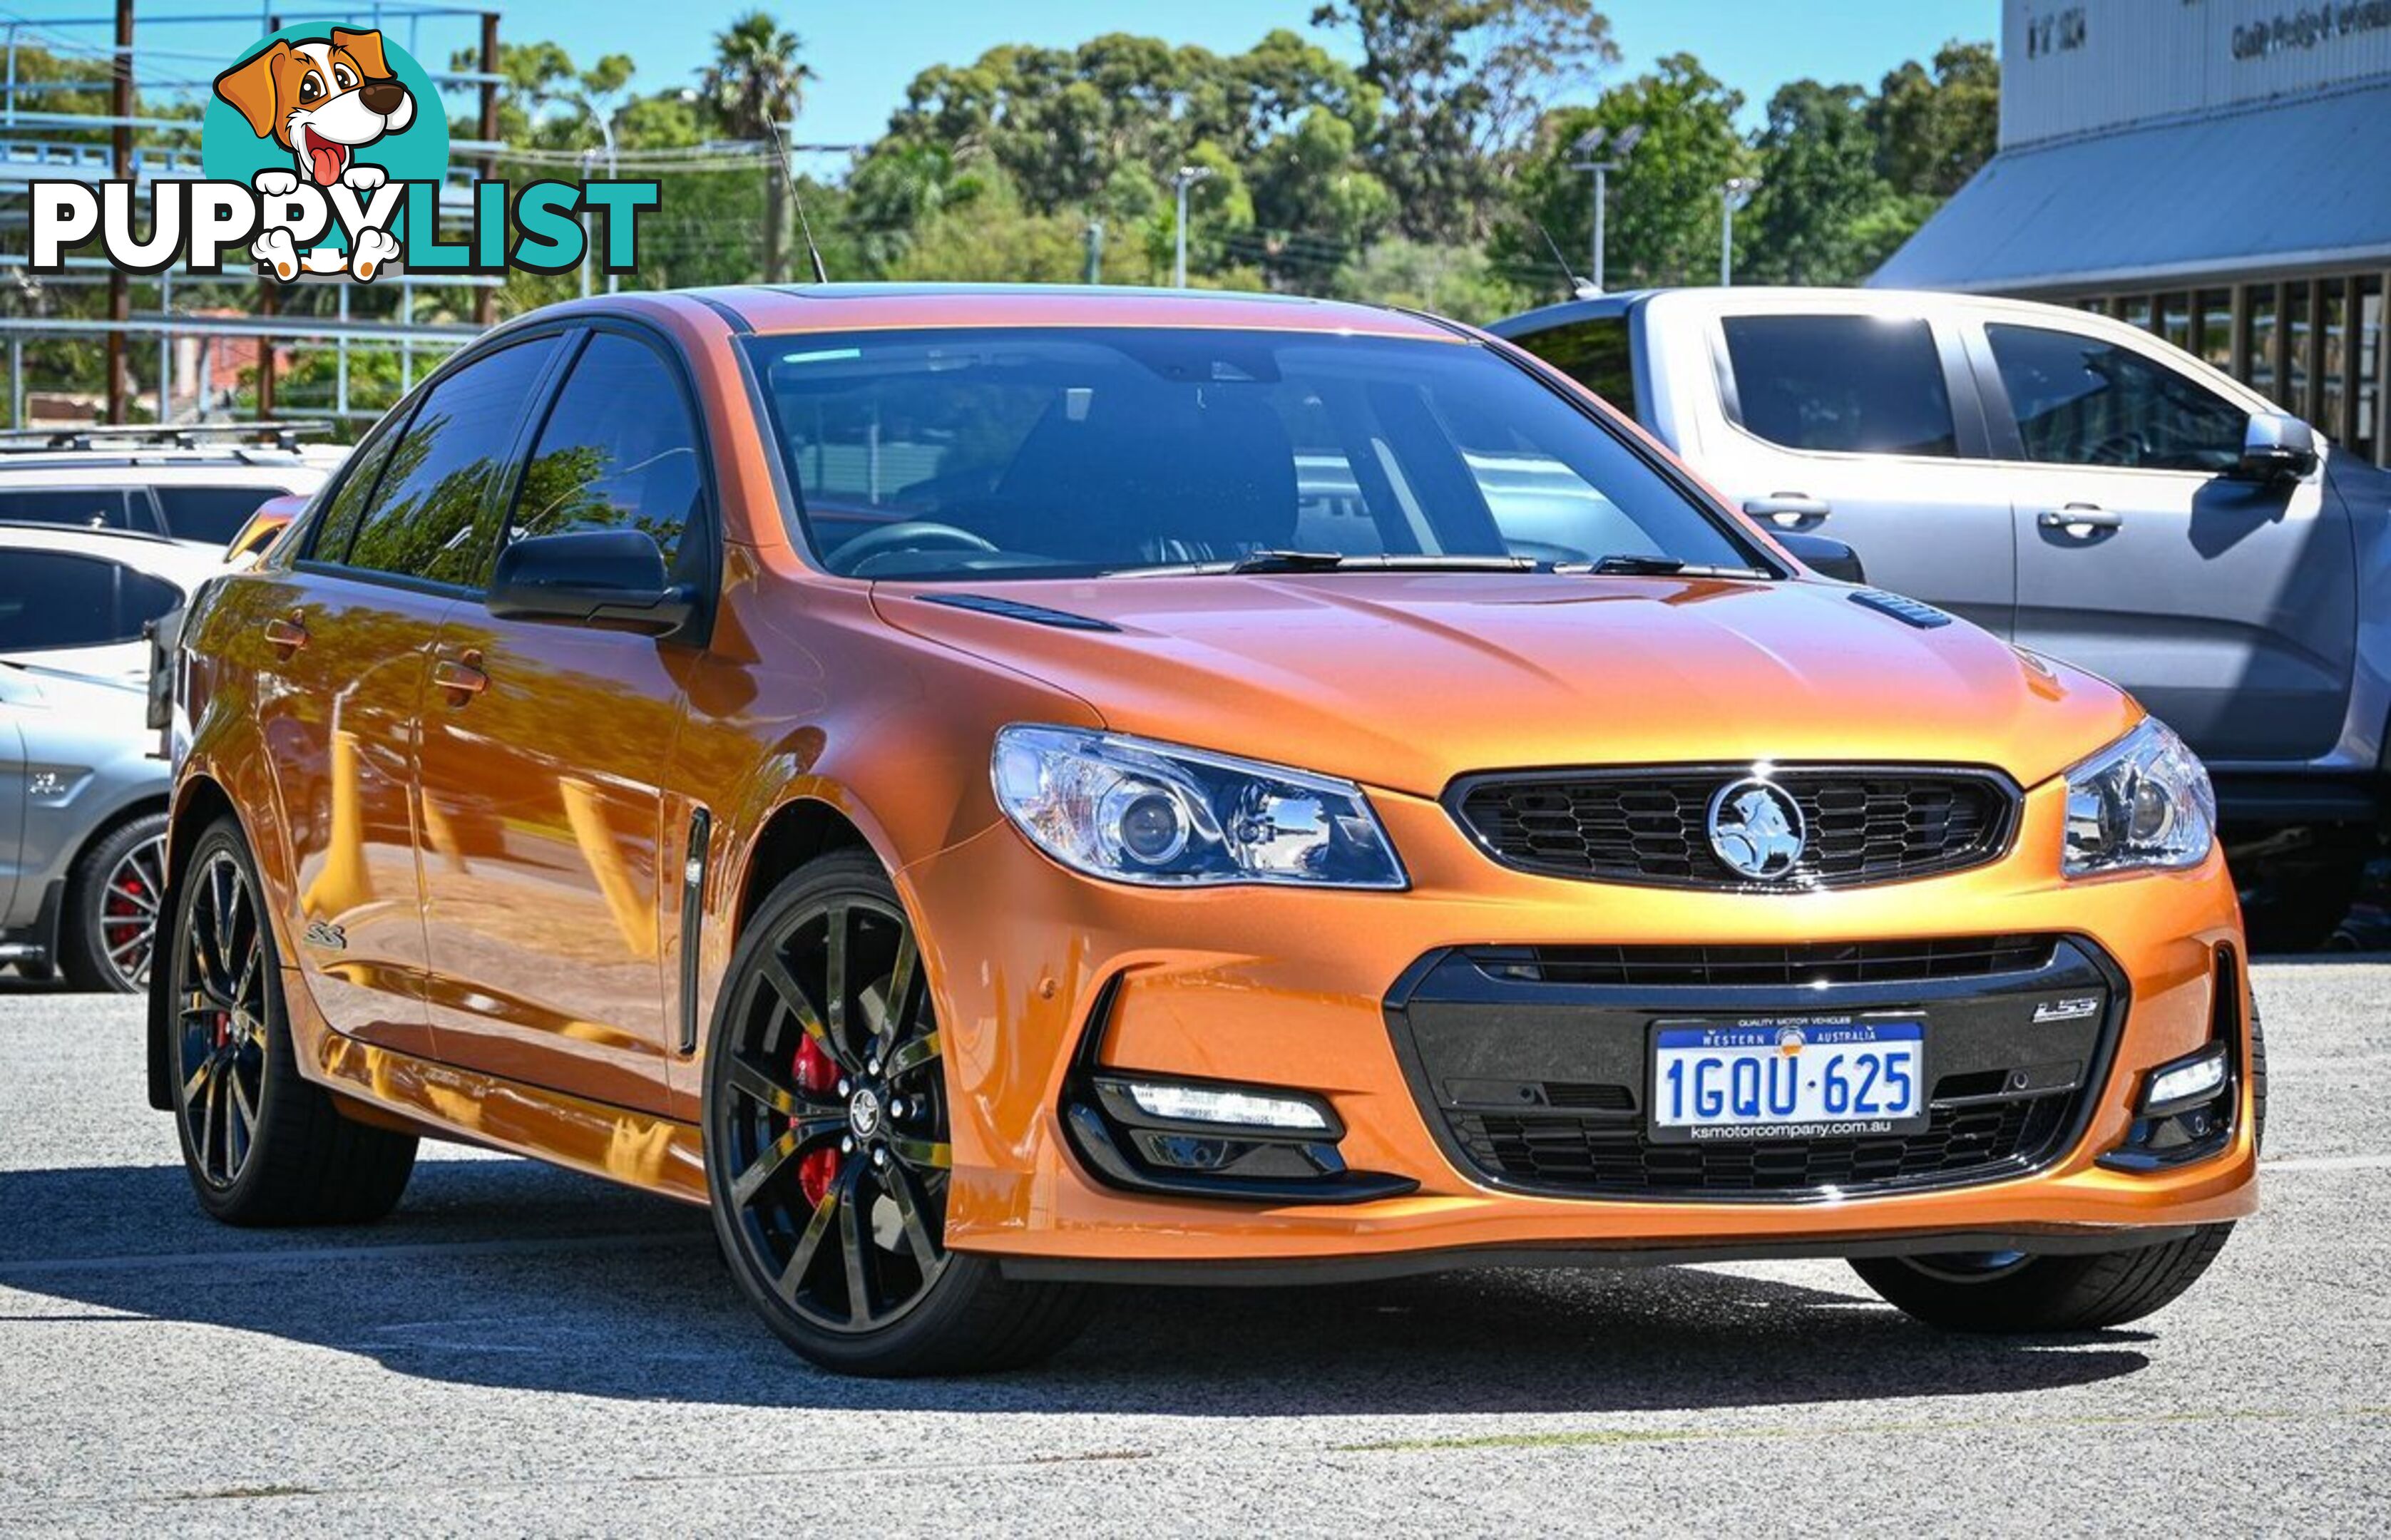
<point>1806,963</point>
<point>1863,823</point>
<point>1597,1156</point>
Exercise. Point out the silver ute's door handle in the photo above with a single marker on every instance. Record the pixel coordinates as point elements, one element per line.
<point>1789,510</point>
<point>2081,521</point>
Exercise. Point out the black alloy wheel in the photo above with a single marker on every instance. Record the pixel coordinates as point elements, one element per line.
<point>826,1142</point>
<point>220,1012</point>
<point>262,1143</point>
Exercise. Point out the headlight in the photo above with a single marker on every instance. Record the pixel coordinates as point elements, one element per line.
<point>1128,809</point>
<point>2144,801</point>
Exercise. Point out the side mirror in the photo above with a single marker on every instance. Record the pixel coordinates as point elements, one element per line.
<point>1824,555</point>
<point>2276,447</point>
<point>613,579</point>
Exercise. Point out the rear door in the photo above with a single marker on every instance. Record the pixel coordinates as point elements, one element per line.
<point>348,637</point>
<point>552,857</point>
<point>1857,423</point>
<point>82,614</point>
<point>2229,607</point>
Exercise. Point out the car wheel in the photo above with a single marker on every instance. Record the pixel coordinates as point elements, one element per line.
<point>109,929</point>
<point>2015,1291</point>
<point>827,1119</point>
<point>2296,904</point>
<point>263,1144</point>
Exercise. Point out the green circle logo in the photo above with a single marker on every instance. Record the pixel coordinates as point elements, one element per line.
<point>319,102</point>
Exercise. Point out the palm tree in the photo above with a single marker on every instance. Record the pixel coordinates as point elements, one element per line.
<point>756,84</point>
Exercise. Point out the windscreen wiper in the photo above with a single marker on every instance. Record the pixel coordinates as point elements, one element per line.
<point>1329,560</point>
<point>1620,565</point>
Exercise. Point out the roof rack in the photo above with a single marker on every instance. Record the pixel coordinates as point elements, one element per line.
<point>110,531</point>
<point>178,435</point>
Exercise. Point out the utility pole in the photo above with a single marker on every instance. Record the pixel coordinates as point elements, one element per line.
<point>1589,152</point>
<point>1185,177</point>
<point>1095,251</point>
<point>120,287</point>
<point>485,299</point>
<point>1734,193</point>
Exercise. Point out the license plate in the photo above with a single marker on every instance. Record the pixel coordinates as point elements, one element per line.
<point>1788,1077</point>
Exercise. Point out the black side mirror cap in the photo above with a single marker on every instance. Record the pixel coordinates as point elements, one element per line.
<point>611,579</point>
<point>2276,447</point>
<point>1824,555</point>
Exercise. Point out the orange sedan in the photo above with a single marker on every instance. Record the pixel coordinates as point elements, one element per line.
<point>997,790</point>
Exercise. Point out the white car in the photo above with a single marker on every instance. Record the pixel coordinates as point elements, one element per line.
<point>75,601</point>
<point>174,483</point>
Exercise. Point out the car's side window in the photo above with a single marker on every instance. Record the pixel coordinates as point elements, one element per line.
<point>2079,400</point>
<point>210,513</point>
<point>82,508</point>
<point>422,518</point>
<point>619,451</point>
<point>1857,385</point>
<point>51,599</point>
<point>1596,353</point>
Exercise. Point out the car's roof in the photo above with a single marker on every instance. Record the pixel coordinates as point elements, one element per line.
<point>878,306</point>
<point>184,565</point>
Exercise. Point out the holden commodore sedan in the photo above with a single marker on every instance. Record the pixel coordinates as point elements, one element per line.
<point>992,792</point>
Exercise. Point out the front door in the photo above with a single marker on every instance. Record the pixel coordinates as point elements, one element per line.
<point>2227,607</point>
<point>1861,426</point>
<point>345,644</point>
<point>549,874</point>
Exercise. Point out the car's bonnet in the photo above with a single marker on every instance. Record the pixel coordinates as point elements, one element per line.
<point>1408,680</point>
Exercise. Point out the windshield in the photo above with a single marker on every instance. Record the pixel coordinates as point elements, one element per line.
<point>1067,453</point>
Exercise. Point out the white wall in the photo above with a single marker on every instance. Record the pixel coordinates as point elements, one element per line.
<point>2074,65</point>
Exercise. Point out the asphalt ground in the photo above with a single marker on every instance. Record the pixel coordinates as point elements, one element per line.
<point>522,1351</point>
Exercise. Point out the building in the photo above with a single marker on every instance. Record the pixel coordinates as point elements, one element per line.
<point>2216,170</point>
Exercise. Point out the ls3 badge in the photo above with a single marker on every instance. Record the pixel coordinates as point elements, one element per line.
<point>2067,1010</point>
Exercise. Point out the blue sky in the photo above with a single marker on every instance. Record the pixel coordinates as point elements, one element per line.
<point>866,53</point>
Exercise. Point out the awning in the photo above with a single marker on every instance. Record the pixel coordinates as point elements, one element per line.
<point>2286,184</point>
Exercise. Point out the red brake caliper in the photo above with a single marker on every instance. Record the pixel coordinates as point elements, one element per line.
<point>817,1072</point>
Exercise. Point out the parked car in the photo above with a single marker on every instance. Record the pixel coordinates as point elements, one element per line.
<point>195,485</point>
<point>83,827</point>
<point>2072,483</point>
<point>1108,848</point>
<point>264,526</point>
<point>77,599</point>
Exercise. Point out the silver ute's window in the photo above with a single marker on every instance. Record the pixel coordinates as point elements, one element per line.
<point>1058,453</point>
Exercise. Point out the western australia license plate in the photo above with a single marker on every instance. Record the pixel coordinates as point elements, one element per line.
<point>1788,1077</point>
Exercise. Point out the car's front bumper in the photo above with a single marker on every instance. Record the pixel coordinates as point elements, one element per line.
<point>1289,987</point>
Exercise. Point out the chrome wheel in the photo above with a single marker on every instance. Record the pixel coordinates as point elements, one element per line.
<point>129,903</point>
<point>220,997</point>
<point>829,1124</point>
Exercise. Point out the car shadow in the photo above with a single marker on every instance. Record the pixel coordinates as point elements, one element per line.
<point>511,1275</point>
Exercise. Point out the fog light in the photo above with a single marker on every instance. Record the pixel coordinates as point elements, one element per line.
<point>1197,1103</point>
<point>2185,1083</point>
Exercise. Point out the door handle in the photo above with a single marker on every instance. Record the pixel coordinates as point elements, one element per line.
<point>461,676</point>
<point>2080,521</point>
<point>1789,510</point>
<point>286,636</point>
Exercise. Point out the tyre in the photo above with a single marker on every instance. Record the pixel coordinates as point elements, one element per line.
<point>2012,1292</point>
<point>108,931</point>
<point>2296,902</point>
<point>262,1144</point>
<point>827,1119</point>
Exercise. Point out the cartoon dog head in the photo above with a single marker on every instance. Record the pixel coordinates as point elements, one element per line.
<point>320,98</point>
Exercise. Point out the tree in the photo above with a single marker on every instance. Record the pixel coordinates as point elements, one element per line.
<point>756,83</point>
<point>1822,210</point>
<point>1664,222</point>
<point>1933,132</point>
<point>1463,80</point>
